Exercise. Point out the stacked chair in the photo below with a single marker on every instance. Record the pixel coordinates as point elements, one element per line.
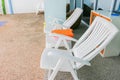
<point>95,39</point>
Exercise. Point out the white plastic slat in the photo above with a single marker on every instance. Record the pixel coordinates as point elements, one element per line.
<point>87,41</point>
<point>91,43</point>
<point>71,20</point>
<point>82,52</point>
<point>98,35</point>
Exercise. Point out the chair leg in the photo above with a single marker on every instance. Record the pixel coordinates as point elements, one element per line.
<point>49,73</point>
<point>58,43</point>
<point>66,44</point>
<point>56,69</point>
<point>52,76</point>
<point>74,74</point>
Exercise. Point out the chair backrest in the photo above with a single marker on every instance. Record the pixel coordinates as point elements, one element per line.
<point>96,38</point>
<point>73,18</point>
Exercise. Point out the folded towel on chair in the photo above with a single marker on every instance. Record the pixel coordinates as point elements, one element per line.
<point>67,32</point>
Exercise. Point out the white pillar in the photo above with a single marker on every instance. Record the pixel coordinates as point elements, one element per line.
<point>112,5</point>
<point>55,8</point>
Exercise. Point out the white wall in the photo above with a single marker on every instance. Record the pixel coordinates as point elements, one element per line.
<point>106,4</point>
<point>22,6</point>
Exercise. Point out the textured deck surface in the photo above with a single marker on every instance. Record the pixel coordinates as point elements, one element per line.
<point>21,44</point>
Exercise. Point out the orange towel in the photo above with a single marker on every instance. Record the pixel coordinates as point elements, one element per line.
<point>67,32</point>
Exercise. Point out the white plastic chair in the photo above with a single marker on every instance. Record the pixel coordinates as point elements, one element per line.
<point>55,23</point>
<point>96,38</point>
<point>50,41</point>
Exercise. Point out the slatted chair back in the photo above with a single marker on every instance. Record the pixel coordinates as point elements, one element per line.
<point>73,18</point>
<point>98,35</point>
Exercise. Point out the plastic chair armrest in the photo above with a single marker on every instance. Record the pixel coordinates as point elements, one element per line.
<point>63,36</point>
<point>64,54</point>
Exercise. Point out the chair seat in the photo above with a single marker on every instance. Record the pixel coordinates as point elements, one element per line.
<point>49,62</point>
